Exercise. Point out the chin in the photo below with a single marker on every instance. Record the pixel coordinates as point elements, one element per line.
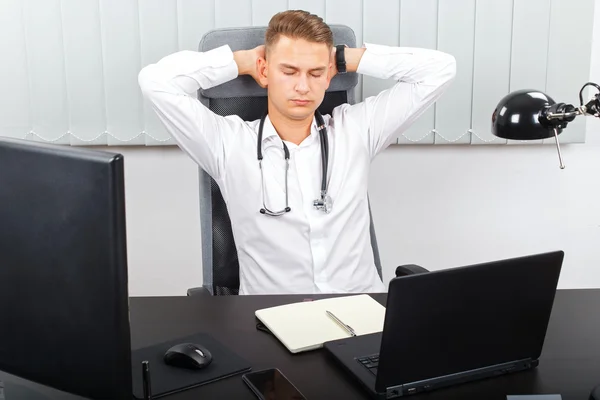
<point>300,112</point>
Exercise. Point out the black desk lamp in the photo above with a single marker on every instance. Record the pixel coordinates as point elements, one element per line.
<point>532,115</point>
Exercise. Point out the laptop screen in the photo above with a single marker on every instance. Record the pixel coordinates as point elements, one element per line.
<point>460,319</point>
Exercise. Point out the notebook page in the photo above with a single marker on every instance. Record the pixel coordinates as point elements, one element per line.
<point>306,326</point>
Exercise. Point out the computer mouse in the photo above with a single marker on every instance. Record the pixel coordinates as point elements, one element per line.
<point>188,355</point>
<point>595,395</point>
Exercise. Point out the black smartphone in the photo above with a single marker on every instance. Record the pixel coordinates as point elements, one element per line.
<point>271,384</point>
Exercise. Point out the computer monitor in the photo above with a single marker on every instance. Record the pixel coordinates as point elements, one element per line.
<point>64,314</point>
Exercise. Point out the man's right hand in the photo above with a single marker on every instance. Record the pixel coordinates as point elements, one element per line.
<point>247,61</point>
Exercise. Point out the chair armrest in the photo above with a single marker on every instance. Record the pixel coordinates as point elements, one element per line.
<point>198,291</point>
<point>410,269</point>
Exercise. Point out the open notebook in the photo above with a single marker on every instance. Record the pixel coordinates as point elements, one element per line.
<point>306,326</point>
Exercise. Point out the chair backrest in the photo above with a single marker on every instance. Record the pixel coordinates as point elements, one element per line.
<point>245,98</point>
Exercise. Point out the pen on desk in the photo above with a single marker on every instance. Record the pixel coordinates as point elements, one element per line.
<point>348,328</point>
<point>146,380</point>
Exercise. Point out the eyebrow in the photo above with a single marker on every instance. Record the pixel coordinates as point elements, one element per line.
<point>318,69</point>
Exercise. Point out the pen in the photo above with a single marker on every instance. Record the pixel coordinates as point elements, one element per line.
<point>348,328</point>
<point>146,380</point>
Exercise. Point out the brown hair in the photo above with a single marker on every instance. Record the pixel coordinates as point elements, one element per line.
<point>298,24</point>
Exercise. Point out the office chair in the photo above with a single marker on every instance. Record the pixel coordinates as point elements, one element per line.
<point>245,98</point>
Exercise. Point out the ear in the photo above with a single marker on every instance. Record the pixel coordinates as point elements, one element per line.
<point>262,71</point>
<point>330,74</point>
<point>332,70</point>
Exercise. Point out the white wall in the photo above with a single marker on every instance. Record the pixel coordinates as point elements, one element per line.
<point>509,201</point>
<point>163,221</point>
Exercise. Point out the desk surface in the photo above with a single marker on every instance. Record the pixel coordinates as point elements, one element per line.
<point>569,365</point>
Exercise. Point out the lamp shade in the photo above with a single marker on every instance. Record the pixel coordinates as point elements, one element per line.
<point>519,116</point>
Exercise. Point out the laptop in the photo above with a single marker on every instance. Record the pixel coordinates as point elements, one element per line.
<point>456,325</point>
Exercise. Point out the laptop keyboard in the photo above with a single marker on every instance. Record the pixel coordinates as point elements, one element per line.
<point>370,362</point>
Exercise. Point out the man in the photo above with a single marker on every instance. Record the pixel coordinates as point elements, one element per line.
<point>285,243</point>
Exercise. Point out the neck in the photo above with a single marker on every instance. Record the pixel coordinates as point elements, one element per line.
<point>291,130</point>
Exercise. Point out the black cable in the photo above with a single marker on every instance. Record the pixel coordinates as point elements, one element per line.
<point>581,91</point>
<point>259,141</point>
<point>286,152</point>
<point>324,150</point>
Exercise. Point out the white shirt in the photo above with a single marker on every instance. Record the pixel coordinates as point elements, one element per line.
<point>305,250</point>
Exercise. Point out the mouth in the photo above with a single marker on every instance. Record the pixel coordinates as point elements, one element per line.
<point>300,102</point>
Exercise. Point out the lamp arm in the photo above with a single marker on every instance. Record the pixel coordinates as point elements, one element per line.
<point>558,115</point>
<point>593,106</point>
<point>565,116</point>
<point>589,110</point>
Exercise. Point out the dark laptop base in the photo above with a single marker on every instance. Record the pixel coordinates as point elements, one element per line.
<point>344,352</point>
<point>455,379</point>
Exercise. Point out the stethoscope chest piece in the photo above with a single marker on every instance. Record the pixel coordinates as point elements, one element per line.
<point>324,204</point>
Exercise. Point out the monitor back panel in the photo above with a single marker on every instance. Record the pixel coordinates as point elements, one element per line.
<point>64,319</point>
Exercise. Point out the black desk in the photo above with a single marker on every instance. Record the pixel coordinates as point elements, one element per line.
<point>570,362</point>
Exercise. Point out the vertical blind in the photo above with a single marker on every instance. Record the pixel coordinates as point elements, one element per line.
<point>69,67</point>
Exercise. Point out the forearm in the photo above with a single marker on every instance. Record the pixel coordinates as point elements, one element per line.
<point>408,64</point>
<point>353,57</point>
<point>185,72</point>
<point>244,61</point>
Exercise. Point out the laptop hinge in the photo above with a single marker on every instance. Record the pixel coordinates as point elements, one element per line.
<point>451,379</point>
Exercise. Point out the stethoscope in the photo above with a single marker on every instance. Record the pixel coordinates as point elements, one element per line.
<point>324,203</point>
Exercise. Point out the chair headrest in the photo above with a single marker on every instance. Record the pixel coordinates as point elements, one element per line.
<point>244,38</point>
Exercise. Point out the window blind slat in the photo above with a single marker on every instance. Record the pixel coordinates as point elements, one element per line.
<point>196,17</point>
<point>158,37</point>
<point>46,67</point>
<point>378,14</point>
<point>263,10</point>
<point>313,6</point>
<point>491,71</point>
<point>418,28</point>
<point>529,63</point>
<point>226,18</point>
<point>15,118</point>
<point>456,27</point>
<point>119,23</point>
<point>569,58</point>
<point>84,75</point>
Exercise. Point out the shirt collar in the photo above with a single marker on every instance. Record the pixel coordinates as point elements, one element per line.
<point>268,130</point>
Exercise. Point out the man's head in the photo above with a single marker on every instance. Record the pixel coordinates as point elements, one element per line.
<point>296,68</point>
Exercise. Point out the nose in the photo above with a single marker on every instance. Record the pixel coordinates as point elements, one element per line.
<point>302,85</point>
